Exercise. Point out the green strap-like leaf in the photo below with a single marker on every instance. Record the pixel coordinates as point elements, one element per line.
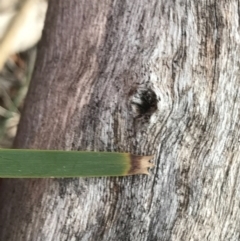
<point>26,163</point>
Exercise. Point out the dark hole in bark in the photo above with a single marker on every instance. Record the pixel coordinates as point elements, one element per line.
<point>144,102</point>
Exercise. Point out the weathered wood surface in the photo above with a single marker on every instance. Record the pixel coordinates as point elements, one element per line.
<point>146,77</point>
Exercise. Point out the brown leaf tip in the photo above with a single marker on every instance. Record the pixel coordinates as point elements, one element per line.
<point>140,164</point>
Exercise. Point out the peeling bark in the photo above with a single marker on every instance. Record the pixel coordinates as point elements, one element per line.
<point>147,77</point>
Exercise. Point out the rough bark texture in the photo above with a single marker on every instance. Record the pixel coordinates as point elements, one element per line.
<point>146,77</point>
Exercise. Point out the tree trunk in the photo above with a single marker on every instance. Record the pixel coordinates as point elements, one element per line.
<point>144,77</point>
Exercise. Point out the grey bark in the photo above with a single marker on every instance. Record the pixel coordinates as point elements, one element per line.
<point>145,77</point>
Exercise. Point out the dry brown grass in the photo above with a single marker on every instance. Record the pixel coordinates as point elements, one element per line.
<point>21,24</point>
<point>14,81</point>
